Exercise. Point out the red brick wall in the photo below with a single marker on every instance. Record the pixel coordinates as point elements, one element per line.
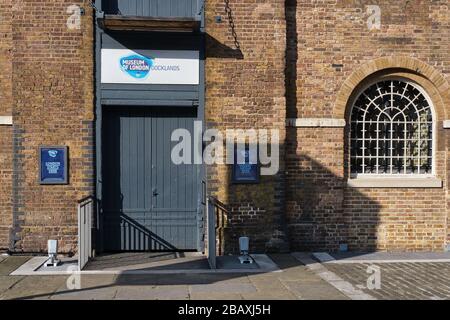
<point>245,89</point>
<point>5,186</point>
<point>333,41</point>
<point>52,105</point>
<point>401,219</point>
<point>335,32</point>
<point>290,59</point>
<point>315,187</point>
<point>5,131</point>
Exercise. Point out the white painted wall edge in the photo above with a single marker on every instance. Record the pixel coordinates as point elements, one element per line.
<point>395,183</point>
<point>6,120</point>
<point>315,123</point>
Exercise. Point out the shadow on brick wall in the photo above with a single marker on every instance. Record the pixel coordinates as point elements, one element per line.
<point>216,49</point>
<point>255,210</point>
<point>322,213</point>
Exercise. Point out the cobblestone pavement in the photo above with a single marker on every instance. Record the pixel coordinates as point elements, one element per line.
<point>406,281</point>
<point>294,282</point>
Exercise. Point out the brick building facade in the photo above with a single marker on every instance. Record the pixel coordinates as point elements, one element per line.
<point>335,54</point>
<point>47,88</point>
<point>295,66</point>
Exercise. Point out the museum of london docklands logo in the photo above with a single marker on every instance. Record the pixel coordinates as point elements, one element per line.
<point>140,67</point>
<point>137,66</point>
<point>245,148</point>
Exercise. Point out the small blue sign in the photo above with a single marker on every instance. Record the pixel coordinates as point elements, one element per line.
<point>246,172</point>
<point>53,165</point>
<point>136,66</point>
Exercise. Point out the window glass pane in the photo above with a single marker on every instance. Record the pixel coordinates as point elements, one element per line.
<point>391,130</point>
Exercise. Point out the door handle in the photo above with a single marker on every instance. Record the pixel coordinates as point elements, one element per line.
<point>155,193</point>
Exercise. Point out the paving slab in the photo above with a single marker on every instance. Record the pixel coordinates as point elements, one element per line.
<point>185,279</point>
<point>7,282</point>
<point>101,293</point>
<point>34,288</point>
<point>315,291</point>
<point>301,273</point>
<point>268,285</point>
<point>270,295</point>
<point>215,296</point>
<point>224,288</point>
<point>152,293</point>
<point>11,263</point>
<point>293,269</point>
<point>92,281</point>
<point>97,287</point>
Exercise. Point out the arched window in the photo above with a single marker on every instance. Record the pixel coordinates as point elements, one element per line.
<point>392,130</point>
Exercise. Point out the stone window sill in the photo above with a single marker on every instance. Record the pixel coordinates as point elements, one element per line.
<point>395,182</point>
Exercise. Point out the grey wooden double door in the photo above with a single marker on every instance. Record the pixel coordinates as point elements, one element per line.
<point>148,203</point>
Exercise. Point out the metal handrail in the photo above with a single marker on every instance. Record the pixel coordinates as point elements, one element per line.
<point>86,212</point>
<point>219,204</point>
<point>85,199</point>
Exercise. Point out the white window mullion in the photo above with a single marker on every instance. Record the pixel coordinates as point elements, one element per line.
<point>405,149</point>
<point>363,146</point>
<point>419,151</point>
<point>378,147</point>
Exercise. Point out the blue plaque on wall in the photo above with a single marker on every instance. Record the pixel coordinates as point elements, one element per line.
<point>245,172</point>
<point>53,165</point>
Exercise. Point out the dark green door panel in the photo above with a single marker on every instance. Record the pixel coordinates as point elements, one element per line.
<point>149,203</point>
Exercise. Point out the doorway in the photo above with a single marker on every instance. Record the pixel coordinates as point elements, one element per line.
<point>148,202</point>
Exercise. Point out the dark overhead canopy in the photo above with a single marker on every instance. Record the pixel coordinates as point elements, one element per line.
<point>133,23</point>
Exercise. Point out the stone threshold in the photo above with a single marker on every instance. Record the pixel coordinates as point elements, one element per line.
<point>34,267</point>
